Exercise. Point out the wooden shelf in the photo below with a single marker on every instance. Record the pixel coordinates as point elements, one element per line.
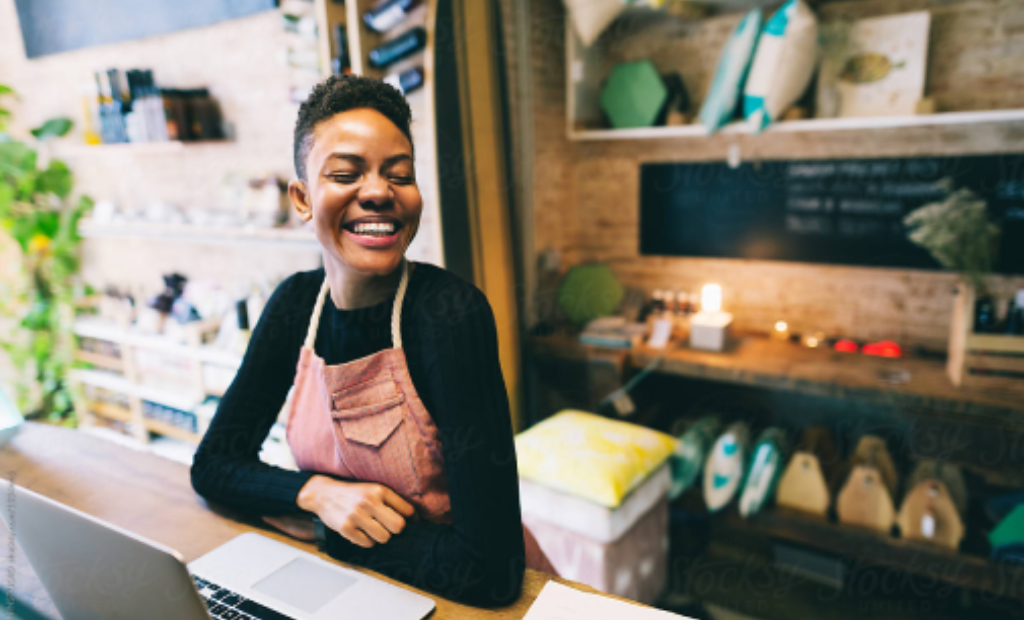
<point>100,360</point>
<point>110,411</point>
<point>133,148</point>
<point>169,430</point>
<point>183,233</point>
<point>777,365</point>
<point>809,125</point>
<point>115,383</point>
<point>110,332</point>
<point>121,414</point>
<point>960,569</point>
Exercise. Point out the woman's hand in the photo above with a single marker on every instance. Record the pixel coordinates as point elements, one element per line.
<point>365,513</point>
<point>296,527</point>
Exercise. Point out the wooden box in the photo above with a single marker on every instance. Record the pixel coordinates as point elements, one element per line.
<point>987,361</point>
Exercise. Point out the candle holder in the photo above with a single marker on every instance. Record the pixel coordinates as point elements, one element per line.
<point>709,328</point>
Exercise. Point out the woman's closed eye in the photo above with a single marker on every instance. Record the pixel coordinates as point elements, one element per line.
<point>351,177</point>
<point>344,177</point>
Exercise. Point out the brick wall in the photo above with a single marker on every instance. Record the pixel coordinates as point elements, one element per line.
<point>584,195</point>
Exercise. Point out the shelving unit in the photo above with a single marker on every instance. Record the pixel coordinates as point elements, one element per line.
<point>911,390</point>
<point>120,374</point>
<point>929,561</point>
<point>329,13</point>
<point>586,69</point>
<point>761,362</point>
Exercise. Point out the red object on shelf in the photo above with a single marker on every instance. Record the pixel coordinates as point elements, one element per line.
<point>886,348</point>
<point>846,346</point>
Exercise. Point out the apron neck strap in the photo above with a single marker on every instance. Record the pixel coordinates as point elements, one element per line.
<point>396,310</point>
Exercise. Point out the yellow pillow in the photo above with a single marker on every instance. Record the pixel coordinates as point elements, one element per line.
<point>591,457</point>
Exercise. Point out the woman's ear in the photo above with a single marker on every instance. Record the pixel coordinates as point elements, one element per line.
<point>299,197</point>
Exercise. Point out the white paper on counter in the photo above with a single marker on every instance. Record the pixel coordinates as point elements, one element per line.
<point>558,602</point>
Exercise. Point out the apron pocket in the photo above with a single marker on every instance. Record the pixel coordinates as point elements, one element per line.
<point>379,390</point>
<point>371,425</point>
<point>375,445</point>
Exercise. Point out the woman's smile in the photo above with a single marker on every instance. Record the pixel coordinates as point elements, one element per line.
<point>374,231</point>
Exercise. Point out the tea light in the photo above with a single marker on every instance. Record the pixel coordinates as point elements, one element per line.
<point>709,327</point>
<point>813,340</point>
<point>781,331</point>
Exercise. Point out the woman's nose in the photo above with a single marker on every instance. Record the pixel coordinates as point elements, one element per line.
<point>375,190</point>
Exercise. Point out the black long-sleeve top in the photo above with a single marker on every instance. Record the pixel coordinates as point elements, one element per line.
<point>450,342</point>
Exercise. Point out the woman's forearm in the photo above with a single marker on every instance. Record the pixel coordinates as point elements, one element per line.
<point>248,486</point>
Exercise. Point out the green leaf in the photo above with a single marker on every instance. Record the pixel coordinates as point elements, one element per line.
<point>15,158</point>
<point>56,178</point>
<point>48,223</point>
<point>26,186</point>
<point>67,238</point>
<point>53,128</point>
<point>6,90</point>
<point>23,230</point>
<point>6,197</point>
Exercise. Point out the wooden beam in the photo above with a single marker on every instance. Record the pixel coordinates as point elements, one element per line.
<point>484,147</point>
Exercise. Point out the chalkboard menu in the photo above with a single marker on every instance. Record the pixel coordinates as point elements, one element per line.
<point>846,212</point>
<point>54,26</point>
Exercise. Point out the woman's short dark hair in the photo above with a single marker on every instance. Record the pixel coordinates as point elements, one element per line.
<point>339,94</point>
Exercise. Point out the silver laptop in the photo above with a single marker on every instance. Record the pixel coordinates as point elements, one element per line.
<point>96,571</point>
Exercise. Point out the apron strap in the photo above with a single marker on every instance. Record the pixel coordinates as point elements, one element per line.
<point>396,311</point>
<point>314,321</point>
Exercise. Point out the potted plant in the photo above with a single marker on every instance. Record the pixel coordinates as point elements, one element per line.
<point>39,217</point>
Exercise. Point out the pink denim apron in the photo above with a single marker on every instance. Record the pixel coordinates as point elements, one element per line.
<point>363,420</point>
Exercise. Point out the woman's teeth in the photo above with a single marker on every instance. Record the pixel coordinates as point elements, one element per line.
<point>375,229</point>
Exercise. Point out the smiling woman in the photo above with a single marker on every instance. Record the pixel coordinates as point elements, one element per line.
<point>400,419</point>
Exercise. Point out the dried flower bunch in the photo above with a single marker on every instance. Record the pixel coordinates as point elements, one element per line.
<point>958,233</point>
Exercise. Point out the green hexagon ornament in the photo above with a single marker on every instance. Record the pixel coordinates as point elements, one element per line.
<point>633,95</point>
<point>589,292</point>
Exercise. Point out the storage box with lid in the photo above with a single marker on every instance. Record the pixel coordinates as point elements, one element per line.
<point>593,493</point>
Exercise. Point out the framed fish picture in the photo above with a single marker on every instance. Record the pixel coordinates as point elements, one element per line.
<point>874,67</point>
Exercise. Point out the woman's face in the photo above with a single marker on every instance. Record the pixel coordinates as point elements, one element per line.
<point>360,191</point>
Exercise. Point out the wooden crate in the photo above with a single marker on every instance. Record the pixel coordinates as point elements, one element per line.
<point>989,361</point>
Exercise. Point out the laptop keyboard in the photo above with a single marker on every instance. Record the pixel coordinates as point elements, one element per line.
<point>227,605</point>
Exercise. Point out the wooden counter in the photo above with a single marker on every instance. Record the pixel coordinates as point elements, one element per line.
<point>152,497</point>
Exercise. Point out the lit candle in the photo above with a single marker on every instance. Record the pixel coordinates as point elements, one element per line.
<point>711,298</point>
<point>709,327</point>
<point>781,330</point>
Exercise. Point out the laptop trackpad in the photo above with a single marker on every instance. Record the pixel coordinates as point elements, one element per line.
<point>304,584</point>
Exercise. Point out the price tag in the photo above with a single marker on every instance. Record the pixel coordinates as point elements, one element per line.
<point>623,405</point>
<point>660,334</point>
